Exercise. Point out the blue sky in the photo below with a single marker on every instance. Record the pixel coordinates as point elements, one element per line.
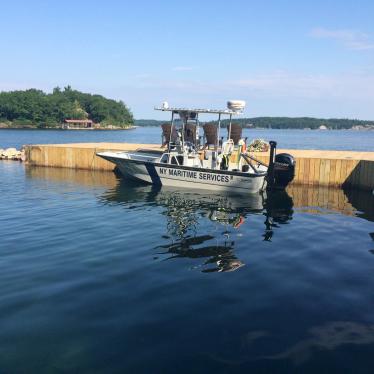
<point>285,58</point>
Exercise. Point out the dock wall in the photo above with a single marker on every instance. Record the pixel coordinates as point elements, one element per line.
<point>316,168</point>
<point>77,155</point>
<point>334,171</point>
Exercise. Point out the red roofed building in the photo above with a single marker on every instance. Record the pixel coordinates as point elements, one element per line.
<point>78,124</point>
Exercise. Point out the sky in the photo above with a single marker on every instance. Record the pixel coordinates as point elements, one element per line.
<point>285,58</point>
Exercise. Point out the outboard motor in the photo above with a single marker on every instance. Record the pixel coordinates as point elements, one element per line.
<point>281,169</point>
<point>284,169</point>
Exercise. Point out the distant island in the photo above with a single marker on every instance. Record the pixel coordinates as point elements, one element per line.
<point>65,108</point>
<point>302,123</point>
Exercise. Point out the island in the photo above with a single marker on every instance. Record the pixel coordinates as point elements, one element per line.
<point>63,108</point>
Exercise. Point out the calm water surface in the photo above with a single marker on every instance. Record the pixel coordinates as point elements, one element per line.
<point>98,274</point>
<point>291,139</point>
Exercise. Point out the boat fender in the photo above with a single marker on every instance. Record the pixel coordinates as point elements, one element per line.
<point>243,145</point>
<point>228,146</point>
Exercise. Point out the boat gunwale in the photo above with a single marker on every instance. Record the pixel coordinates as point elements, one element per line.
<point>191,168</point>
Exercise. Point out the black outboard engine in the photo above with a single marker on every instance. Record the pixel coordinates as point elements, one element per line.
<point>281,169</point>
<point>284,169</point>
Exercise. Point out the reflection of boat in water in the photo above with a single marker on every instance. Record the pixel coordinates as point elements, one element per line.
<point>219,257</point>
<point>278,209</point>
<point>186,211</point>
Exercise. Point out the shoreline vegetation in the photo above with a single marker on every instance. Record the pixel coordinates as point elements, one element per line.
<point>36,109</point>
<point>296,123</point>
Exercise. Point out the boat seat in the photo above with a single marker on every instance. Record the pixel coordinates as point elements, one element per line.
<point>190,133</point>
<point>236,132</point>
<point>210,134</point>
<point>166,132</point>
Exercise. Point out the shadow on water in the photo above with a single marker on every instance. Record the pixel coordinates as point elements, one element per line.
<point>363,202</point>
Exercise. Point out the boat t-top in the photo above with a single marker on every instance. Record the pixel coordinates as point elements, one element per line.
<point>214,164</point>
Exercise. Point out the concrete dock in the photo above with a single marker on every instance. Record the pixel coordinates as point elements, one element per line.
<point>313,167</point>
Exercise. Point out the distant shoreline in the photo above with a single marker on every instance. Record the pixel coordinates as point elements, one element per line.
<point>60,129</point>
<point>154,126</point>
<point>295,123</point>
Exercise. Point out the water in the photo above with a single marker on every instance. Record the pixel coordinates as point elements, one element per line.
<point>290,139</point>
<point>98,274</point>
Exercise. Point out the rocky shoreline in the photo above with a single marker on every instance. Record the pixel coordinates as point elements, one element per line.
<point>12,154</point>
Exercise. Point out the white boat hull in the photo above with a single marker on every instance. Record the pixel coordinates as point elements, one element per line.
<point>187,177</point>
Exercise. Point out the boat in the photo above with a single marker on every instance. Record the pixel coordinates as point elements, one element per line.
<point>186,163</point>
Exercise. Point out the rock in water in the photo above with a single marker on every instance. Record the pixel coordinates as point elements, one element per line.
<point>10,154</point>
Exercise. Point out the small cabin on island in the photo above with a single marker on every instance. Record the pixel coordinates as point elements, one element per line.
<point>78,124</point>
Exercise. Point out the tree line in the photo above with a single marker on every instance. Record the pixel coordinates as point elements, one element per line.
<point>282,123</point>
<point>300,123</point>
<point>35,108</point>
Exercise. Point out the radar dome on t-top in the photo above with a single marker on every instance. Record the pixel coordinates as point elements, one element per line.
<point>236,105</point>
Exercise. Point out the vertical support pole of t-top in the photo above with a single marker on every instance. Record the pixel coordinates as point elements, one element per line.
<point>184,117</point>
<point>197,132</point>
<point>218,131</point>
<point>229,134</point>
<point>171,130</point>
